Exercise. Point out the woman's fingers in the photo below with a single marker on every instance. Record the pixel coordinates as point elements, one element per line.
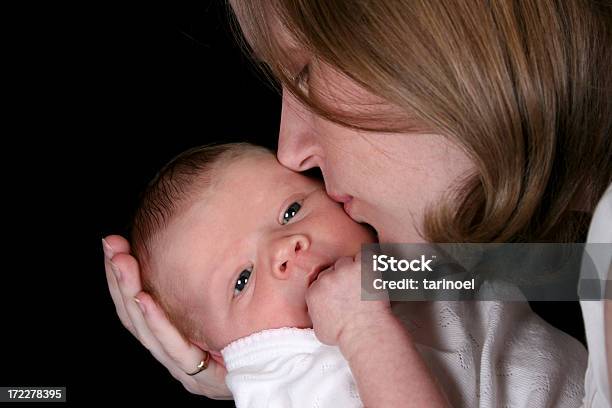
<point>129,286</point>
<point>185,355</point>
<point>111,247</point>
<point>148,323</point>
<point>123,276</point>
<point>116,244</point>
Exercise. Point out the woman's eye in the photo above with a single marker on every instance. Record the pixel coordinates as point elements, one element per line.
<point>290,212</point>
<point>242,281</point>
<point>301,79</point>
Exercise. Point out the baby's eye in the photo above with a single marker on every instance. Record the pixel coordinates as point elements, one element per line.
<point>290,212</point>
<point>242,281</point>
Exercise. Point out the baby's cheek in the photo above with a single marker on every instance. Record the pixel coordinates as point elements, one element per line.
<point>296,306</point>
<point>282,305</point>
<point>292,316</point>
<point>217,338</point>
<point>354,231</point>
<point>302,320</point>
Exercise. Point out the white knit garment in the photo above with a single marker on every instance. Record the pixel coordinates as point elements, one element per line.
<point>483,354</point>
<point>496,354</point>
<point>596,382</point>
<point>288,368</point>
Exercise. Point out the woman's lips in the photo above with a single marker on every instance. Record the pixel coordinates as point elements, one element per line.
<point>345,199</point>
<point>341,198</point>
<point>348,203</point>
<point>347,207</point>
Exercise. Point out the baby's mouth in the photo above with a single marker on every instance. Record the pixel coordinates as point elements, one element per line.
<point>315,272</point>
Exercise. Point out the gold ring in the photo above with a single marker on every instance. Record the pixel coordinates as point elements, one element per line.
<point>202,365</point>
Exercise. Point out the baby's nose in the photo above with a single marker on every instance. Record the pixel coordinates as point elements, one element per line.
<point>296,250</point>
<point>287,252</point>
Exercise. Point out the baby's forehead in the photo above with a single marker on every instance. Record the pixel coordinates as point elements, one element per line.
<point>230,193</point>
<point>254,169</point>
<point>242,192</point>
<point>251,162</point>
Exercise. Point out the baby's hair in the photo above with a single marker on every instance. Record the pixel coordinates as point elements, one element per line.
<point>175,187</point>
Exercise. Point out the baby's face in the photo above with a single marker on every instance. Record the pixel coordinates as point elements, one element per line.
<point>245,256</point>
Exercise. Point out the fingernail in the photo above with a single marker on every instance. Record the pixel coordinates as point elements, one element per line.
<point>115,270</point>
<point>108,250</point>
<point>140,305</point>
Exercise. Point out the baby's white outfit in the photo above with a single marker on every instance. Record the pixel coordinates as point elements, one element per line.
<point>483,354</point>
<point>288,368</point>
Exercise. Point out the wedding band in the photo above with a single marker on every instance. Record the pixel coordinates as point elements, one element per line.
<point>202,365</point>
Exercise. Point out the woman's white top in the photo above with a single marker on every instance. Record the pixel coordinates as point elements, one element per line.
<point>496,354</point>
<point>596,384</point>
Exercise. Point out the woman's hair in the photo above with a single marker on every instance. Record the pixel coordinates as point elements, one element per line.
<point>523,87</point>
<point>181,182</point>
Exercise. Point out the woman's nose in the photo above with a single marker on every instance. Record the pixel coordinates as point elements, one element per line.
<point>297,146</point>
<point>285,253</point>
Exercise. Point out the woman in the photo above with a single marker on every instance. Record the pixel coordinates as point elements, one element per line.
<point>443,122</point>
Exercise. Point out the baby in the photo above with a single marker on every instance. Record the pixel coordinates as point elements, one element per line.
<point>229,241</point>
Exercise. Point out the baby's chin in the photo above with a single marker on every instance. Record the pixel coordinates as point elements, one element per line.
<point>307,323</point>
<point>301,320</point>
<point>309,326</point>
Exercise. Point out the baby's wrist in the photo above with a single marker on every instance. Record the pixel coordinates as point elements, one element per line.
<point>362,335</point>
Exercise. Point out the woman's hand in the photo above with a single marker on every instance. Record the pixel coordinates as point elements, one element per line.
<point>145,320</point>
<point>335,306</point>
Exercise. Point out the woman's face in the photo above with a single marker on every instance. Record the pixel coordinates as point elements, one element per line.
<point>387,180</point>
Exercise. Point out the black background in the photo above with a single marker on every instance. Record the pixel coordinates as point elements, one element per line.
<point>99,98</point>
